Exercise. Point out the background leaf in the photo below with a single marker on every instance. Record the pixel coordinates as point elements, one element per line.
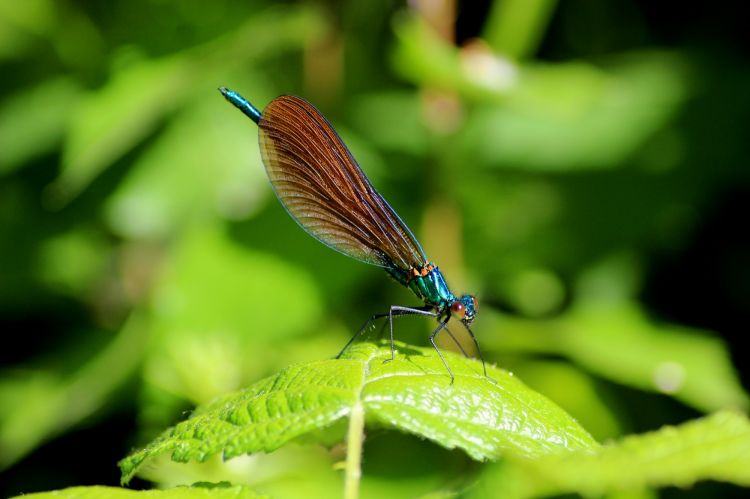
<point>206,307</point>
<point>691,366</point>
<point>207,492</point>
<point>598,116</point>
<point>713,448</point>
<point>112,120</point>
<point>34,122</point>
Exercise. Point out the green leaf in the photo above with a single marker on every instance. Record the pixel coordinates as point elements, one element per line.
<point>713,448</point>
<point>516,28</point>
<point>21,24</point>
<point>210,313</point>
<point>284,473</point>
<point>73,261</point>
<point>575,391</point>
<point>218,491</point>
<point>142,92</point>
<point>110,121</point>
<point>190,172</point>
<point>575,116</point>
<point>545,117</point>
<point>425,58</point>
<point>618,341</point>
<point>374,118</point>
<point>32,122</point>
<point>413,393</point>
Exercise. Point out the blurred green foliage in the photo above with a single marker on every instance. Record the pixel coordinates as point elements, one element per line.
<point>547,165</point>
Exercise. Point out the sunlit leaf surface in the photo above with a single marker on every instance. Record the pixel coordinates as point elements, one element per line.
<point>413,393</point>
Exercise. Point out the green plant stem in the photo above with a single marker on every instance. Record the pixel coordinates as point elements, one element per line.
<point>515,27</point>
<point>354,439</point>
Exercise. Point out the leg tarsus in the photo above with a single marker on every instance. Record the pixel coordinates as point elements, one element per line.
<point>479,352</point>
<point>390,324</point>
<point>360,331</point>
<point>458,344</point>
<point>432,340</point>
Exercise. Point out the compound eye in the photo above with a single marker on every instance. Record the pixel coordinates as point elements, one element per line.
<point>476,303</point>
<point>458,309</point>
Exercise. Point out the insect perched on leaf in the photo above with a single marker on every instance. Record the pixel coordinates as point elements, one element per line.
<point>323,188</point>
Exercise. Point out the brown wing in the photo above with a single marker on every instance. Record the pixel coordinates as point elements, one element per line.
<point>321,186</point>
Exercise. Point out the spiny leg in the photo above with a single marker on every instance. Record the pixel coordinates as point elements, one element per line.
<point>432,340</point>
<point>456,341</point>
<point>397,310</point>
<point>479,350</point>
<point>360,331</point>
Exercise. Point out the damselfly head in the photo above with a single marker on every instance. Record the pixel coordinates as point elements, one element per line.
<point>465,308</point>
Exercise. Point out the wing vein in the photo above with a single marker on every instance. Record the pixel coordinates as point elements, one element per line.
<point>323,188</point>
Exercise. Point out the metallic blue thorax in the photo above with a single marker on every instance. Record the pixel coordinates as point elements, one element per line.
<point>428,284</point>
